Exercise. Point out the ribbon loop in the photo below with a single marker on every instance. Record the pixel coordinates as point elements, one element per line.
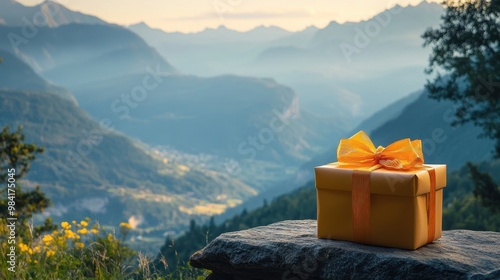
<point>359,151</point>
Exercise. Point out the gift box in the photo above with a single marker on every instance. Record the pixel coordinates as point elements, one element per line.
<point>380,196</point>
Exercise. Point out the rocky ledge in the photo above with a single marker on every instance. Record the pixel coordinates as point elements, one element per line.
<point>290,250</point>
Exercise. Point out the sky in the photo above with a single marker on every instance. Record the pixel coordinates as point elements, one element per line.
<point>242,15</point>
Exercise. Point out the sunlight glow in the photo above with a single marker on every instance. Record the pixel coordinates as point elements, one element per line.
<point>241,15</point>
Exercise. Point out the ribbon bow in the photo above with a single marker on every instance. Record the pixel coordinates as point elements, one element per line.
<point>359,151</point>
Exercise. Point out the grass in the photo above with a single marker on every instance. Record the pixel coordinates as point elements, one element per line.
<point>82,250</point>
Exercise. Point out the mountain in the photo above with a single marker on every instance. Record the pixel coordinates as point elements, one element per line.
<point>221,34</point>
<point>410,22</point>
<point>210,52</point>
<point>103,64</point>
<point>237,117</point>
<point>360,58</point>
<point>88,169</point>
<point>388,113</point>
<point>16,74</point>
<point>80,53</point>
<point>47,13</point>
<point>341,72</point>
<point>430,121</point>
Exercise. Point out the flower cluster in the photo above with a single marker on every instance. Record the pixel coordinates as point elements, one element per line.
<point>82,249</point>
<point>69,236</point>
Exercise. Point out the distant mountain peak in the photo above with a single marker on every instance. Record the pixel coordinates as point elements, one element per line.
<point>12,13</point>
<point>270,27</point>
<point>50,2</point>
<point>310,28</point>
<point>332,23</point>
<point>422,5</point>
<point>142,24</point>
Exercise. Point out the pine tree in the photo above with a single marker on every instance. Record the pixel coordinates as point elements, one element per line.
<point>15,159</point>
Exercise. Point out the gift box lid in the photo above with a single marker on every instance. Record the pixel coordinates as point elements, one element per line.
<point>382,181</point>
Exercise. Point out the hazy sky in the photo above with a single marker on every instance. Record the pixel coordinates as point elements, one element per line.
<point>196,15</point>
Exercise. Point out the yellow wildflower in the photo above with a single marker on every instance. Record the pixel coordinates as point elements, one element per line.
<point>65,225</point>
<point>110,237</point>
<point>73,222</point>
<point>37,249</point>
<point>35,261</point>
<point>23,247</point>
<point>47,239</point>
<point>125,225</point>
<point>30,251</point>
<point>50,253</point>
<point>79,245</point>
<point>83,231</point>
<point>69,234</point>
<point>94,231</point>
<point>84,223</point>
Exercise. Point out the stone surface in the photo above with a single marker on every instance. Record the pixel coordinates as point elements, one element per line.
<point>290,250</point>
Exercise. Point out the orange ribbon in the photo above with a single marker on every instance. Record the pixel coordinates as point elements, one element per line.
<point>358,152</point>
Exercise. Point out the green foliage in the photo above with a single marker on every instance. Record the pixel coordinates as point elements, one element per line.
<point>461,208</point>
<point>72,251</point>
<point>15,159</point>
<point>468,213</point>
<point>16,154</point>
<point>77,251</point>
<point>467,47</point>
<point>485,188</point>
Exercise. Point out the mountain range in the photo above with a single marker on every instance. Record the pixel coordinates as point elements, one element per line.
<point>65,55</point>
<point>89,169</point>
<point>340,71</point>
<point>245,126</point>
<point>256,122</point>
<point>219,115</point>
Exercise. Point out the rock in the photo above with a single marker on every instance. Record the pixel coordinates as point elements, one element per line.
<point>290,250</point>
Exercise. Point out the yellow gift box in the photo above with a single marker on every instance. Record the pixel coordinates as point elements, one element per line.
<point>380,196</point>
